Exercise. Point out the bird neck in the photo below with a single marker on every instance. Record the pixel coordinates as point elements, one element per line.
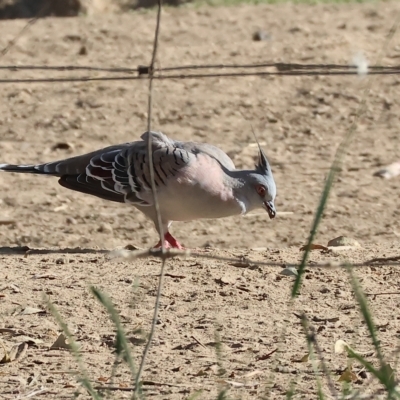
<point>243,190</point>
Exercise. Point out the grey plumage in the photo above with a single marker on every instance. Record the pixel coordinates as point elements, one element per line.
<point>193,180</point>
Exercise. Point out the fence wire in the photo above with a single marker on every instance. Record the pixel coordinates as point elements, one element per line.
<point>142,72</point>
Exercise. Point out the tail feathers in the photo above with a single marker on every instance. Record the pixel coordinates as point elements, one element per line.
<point>27,169</point>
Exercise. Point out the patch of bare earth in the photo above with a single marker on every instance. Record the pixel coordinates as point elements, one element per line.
<point>299,120</point>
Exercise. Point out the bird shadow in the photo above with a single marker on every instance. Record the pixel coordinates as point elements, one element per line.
<point>25,250</point>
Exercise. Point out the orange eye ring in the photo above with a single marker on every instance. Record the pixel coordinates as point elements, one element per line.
<point>261,190</point>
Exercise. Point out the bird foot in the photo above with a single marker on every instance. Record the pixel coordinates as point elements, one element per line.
<point>169,243</point>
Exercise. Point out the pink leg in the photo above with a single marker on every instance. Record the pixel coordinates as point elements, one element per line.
<point>169,242</point>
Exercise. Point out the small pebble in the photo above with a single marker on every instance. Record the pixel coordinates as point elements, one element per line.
<point>260,36</point>
<point>343,241</point>
<point>290,271</point>
<point>71,221</point>
<point>105,228</point>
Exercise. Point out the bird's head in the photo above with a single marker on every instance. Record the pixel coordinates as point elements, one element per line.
<point>263,185</point>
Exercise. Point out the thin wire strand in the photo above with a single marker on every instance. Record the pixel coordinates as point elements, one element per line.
<point>32,21</point>
<point>158,76</point>
<point>278,65</point>
<point>156,205</point>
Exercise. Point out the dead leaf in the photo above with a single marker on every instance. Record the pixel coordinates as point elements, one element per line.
<point>313,247</point>
<point>348,376</point>
<point>303,359</point>
<point>6,359</point>
<point>266,356</point>
<point>18,351</point>
<point>32,310</point>
<point>60,343</point>
<point>103,379</point>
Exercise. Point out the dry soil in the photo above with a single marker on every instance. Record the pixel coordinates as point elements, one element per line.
<point>299,120</point>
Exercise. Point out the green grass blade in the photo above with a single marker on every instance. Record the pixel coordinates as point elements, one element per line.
<point>195,395</point>
<point>223,395</point>
<point>318,217</point>
<point>83,378</point>
<point>311,356</point>
<point>121,343</point>
<point>338,160</point>
<point>218,351</point>
<point>385,374</point>
<point>366,313</point>
<point>368,366</point>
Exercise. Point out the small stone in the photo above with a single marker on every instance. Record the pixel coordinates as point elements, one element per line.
<point>261,35</point>
<point>290,271</point>
<point>71,221</point>
<point>343,241</point>
<point>105,228</point>
<point>83,51</point>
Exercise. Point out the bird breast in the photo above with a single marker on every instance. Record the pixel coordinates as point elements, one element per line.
<point>199,190</point>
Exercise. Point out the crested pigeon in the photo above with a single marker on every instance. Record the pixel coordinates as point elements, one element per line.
<point>193,180</point>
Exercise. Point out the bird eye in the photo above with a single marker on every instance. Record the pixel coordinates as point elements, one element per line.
<point>261,190</point>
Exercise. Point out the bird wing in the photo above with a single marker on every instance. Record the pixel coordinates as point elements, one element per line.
<point>212,151</point>
<point>121,173</point>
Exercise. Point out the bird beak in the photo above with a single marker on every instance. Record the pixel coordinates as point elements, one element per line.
<point>269,206</point>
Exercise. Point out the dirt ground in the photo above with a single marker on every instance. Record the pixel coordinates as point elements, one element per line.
<point>300,122</point>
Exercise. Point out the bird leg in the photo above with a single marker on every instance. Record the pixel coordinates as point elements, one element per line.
<point>169,242</point>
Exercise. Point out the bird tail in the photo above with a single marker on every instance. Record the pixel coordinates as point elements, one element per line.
<point>26,169</point>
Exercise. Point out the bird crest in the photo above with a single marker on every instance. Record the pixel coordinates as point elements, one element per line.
<point>262,165</point>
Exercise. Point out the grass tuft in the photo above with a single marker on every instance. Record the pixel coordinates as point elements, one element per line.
<point>83,378</point>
